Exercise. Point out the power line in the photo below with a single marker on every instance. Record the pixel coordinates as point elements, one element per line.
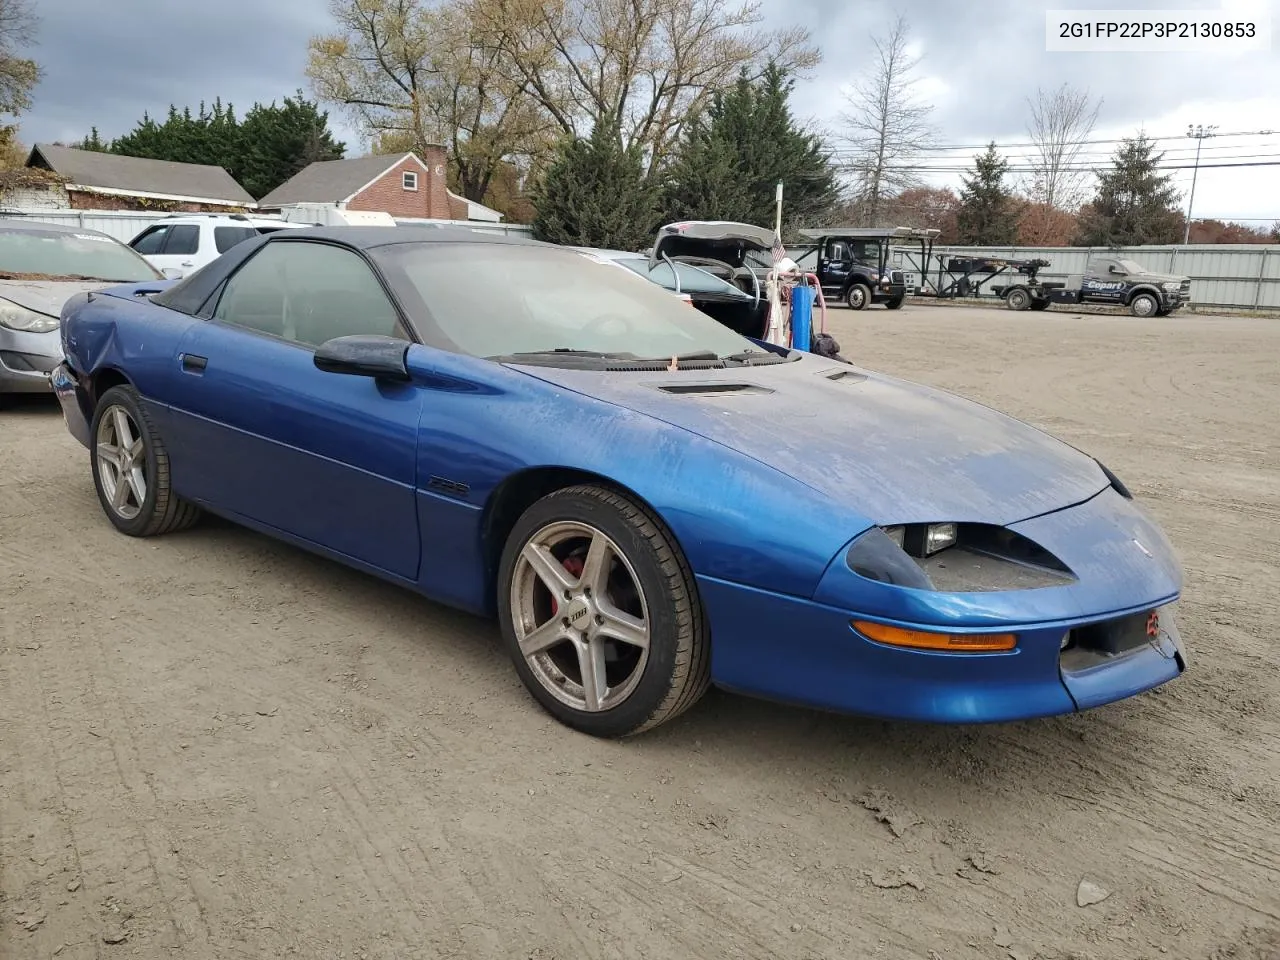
<point>1088,142</point>
<point>1028,168</point>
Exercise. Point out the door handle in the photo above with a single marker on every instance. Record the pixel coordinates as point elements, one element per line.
<point>193,364</point>
<point>188,263</point>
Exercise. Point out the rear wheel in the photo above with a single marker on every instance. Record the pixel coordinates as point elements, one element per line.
<point>131,469</point>
<point>858,296</point>
<point>600,613</point>
<point>1017,299</point>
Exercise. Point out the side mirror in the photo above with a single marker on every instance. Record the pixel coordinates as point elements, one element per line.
<point>1114,269</point>
<point>172,273</point>
<point>365,356</point>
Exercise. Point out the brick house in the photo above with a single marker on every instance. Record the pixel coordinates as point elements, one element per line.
<point>402,185</point>
<point>89,180</point>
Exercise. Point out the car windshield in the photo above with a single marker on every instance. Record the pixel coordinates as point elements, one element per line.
<point>500,300</point>
<point>692,280</point>
<point>1128,266</point>
<point>28,254</point>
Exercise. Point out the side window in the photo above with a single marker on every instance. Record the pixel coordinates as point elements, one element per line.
<point>183,240</point>
<point>308,293</point>
<point>224,238</point>
<point>837,250</point>
<point>151,242</point>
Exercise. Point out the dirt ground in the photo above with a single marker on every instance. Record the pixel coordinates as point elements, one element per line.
<point>215,746</point>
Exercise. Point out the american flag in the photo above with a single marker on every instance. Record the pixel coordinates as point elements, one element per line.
<point>779,251</point>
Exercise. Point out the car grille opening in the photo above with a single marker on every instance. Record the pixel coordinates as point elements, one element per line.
<point>1094,643</point>
<point>27,362</point>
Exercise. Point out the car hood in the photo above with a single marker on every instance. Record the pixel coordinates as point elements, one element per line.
<point>1157,278</point>
<point>898,452</point>
<point>48,296</point>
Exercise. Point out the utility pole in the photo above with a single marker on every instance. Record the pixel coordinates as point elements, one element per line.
<point>1198,133</point>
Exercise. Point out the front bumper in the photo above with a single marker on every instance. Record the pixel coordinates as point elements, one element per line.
<point>66,386</point>
<point>799,651</point>
<point>26,360</point>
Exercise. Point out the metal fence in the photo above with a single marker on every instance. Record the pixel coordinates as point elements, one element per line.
<point>1223,276</point>
<point>124,225</point>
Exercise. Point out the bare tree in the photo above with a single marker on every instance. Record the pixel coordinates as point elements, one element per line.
<point>414,72</point>
<point>646,66</point>
<point>1061,122</point>
<point>887,127</point>
<point>18,75</point>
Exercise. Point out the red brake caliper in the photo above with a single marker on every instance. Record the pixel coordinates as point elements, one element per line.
<point>573,564</point>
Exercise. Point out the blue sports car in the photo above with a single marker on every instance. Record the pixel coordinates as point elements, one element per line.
<point>647,501</point>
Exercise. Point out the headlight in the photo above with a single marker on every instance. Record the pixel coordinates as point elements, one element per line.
<point>1172,285</point>
<point>921,539</point>
<point>28,321</point>
<point>954,558</point>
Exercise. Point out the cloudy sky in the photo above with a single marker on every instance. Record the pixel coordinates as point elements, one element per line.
<point>108,62</point>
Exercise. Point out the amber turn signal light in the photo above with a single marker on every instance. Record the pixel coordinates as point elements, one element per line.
<point>928,640</point>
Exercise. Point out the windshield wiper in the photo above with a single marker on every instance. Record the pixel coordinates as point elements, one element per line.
<point>569,351</point>
<point>751,356</point>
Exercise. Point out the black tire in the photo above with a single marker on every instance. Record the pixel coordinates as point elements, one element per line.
<point>858,296</point>
<point>1039,304</point>
<point>895,303</point>
<point>161,510</point>
<point>1018,299</point>
<point>677,670</point>
<point>1144,305</point>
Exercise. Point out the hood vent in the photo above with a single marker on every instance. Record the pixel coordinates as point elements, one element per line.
<point>846,376</point>
<point>711,389</point>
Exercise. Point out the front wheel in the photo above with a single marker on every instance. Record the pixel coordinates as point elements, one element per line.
<point>858,297</point>
<point>131,469</point>
<point>894,304</point>
<point>600,613</point>
<point>1144,305</point>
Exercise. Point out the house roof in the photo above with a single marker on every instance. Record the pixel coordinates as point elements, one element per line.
<point>140,176</point>
<point>477,210</point>
<point>332,181</point>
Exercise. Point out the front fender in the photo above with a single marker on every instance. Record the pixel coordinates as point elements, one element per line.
<point>735,518</point>
<point>1145,288</point>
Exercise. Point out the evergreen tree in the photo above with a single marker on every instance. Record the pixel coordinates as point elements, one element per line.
<point>987,216</point>
<point>732,158</point>
<point>595,194</point>
<point>93,142</point>
<point>262,152</point>
<point>275,142</point>
<point>1135,203</point>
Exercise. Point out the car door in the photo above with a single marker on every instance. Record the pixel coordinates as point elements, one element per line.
<point>1100,284</point>
<point>834,265</point>
<point>172,246</point>
<point>261,433</point>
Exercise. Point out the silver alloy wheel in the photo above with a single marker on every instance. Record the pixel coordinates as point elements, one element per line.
<point>857,297</point>
<point>1144,305</point>
<point>580,616</point>
<point>122,463</point>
